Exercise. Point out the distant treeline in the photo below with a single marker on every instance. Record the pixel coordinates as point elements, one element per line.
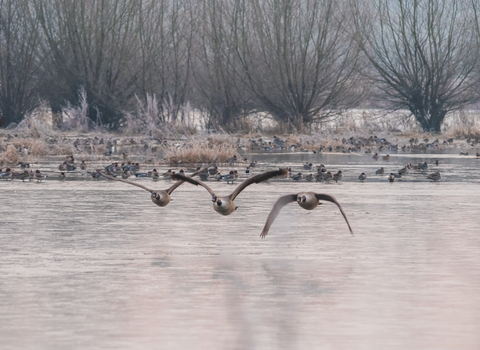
<point>298,60</point>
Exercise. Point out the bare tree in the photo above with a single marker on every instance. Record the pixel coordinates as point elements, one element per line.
<point>424,53</point>
<point>94,44</point>
<point>217,69</point>
<point>167,31</point>
<point>19,59</point>
<point>297,57</point>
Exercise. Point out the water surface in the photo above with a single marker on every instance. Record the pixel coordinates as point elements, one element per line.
<point>95,265</point>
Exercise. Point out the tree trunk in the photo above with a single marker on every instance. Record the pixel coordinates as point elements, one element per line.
<point>57,117</point>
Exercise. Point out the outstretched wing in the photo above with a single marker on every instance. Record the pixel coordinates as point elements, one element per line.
<point>178,183</point>
<point>127,182</point>
<point>281,202</point>
<point>193,182</point>
<point>328,198</point>
<point>257,179</point>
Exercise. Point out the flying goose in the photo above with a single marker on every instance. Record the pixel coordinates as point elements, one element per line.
<point>159,197</point>
<point>225,205</point>
<point>307,200</point>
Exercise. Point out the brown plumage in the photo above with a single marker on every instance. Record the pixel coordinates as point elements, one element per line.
<point>159,197</point>
<point>435,176</point>
<point>307,200</point>
<point>225,205</point>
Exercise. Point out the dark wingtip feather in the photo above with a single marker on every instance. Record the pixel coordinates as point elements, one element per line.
<point>184,178</point>
<point>269,174</point>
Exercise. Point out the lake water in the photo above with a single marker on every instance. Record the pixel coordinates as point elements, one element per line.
<point>96,265</point>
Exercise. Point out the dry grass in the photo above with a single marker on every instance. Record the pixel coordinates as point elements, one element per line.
<point>61,149</point>
<point>33,146</point>
<point>21,149</point>
<point>466,133</point>
<point>200,152</point>
<point>219,139</point>
<point>10,155</point>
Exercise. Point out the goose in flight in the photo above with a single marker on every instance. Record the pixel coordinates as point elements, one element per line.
<point>159,197</point>
<point>225,205</point>
<point>307,200</point>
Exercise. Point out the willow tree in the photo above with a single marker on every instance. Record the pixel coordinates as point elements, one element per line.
<point>424,53</point>
<point>217,70</point>
<point>296,56</point>
<point>91,44</point>
<point>167,31</point>
<point>19,59</point>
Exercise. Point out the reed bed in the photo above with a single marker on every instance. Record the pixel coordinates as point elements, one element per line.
<point>10,156</point>
<point>199,152</point>
<point>465,132</point>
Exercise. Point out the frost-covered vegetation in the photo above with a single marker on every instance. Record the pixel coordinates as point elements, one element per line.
<point>159,67</point>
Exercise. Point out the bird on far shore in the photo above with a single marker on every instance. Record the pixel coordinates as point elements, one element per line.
<point>297,177</point>
<point>435,176</point>
<point>362,177</point>
<point>307,166</point>
<point>204,175</point>
<point>83,167</point>
<point>155,175</point>
<point>39,176</point>
<point>380,171</point>
<point>230,177</point>
<point>7,174</point>
<point>391,177</point>
<point>328,176</point>
<point>232,159</point>
<point>213,171</point>
<point>22,176</point>
<point>338,176</point>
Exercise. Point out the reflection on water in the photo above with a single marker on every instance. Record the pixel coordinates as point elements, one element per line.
<point>90,265</point>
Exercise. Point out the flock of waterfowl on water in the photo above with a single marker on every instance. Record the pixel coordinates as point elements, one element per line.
<point>223,205</point>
